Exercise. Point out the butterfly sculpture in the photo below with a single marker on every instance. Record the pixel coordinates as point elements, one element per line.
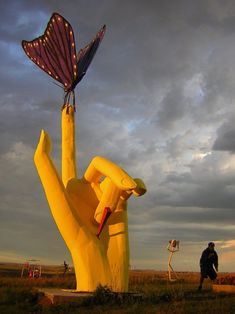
<point>55,53</point>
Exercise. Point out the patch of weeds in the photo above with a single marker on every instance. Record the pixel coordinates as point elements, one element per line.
<point>19,301</point>
<point>103,295</point>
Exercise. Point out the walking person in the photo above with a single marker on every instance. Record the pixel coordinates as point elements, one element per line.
<point>208,264</point>
<point>66,268</point>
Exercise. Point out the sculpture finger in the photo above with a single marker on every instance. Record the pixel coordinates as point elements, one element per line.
<point>57,197</point>
<point>108,203</point>
<point>68,161</point>
<point>44,144</point>
<point>101,166</point>
<point>140,188</point>
<point>109,199</point>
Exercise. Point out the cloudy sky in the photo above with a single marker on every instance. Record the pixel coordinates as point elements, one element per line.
<point>158,99</point>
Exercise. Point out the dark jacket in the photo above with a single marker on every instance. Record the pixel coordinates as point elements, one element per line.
<point>208,259</point>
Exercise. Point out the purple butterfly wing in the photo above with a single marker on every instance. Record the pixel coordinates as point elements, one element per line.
<point>86,54</point>
<point>54,52</point>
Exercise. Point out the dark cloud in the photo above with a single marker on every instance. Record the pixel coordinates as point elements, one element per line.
<point>172,108</point>
<point>226,142</point>
<point>225,136</point>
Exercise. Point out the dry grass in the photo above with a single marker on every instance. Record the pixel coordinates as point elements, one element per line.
<point>18,295</point>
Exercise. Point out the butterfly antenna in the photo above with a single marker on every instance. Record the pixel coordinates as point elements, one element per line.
<point>58,85</point>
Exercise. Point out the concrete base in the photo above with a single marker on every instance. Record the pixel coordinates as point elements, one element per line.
<point>224,288</point>
<point>60,296</point>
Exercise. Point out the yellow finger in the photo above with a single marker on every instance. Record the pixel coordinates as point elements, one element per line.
<point>109,198</point>
<point>140,187</point>
<point>101,166</point>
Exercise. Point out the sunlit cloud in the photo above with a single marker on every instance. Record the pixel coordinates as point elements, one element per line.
<point>199,156</point>
<point>227,244</point>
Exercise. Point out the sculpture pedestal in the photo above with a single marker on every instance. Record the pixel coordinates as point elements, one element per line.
<point>61,296</point>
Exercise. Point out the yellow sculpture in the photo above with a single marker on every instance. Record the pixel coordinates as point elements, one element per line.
<point>81,207</point>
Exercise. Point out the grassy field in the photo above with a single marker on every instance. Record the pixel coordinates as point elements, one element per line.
<point>20,295</point>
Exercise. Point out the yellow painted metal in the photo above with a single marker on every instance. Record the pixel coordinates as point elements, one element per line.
<point>77,206</point>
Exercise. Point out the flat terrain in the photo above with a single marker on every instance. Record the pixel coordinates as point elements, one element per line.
<point>157,295</point>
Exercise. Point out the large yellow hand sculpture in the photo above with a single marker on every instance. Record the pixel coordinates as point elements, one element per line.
<point>79,206</point>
